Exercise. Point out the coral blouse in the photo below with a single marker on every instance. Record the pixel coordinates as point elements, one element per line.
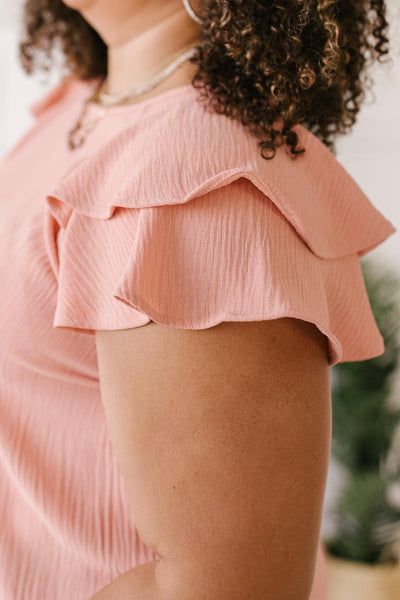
<point>168,213</point>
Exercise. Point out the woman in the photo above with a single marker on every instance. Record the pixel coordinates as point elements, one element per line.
<point>174,294</point>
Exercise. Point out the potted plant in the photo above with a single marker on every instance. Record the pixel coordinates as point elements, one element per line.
<point>364,553</point>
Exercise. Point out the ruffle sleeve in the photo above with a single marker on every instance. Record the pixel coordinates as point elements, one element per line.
<point>213,233</point>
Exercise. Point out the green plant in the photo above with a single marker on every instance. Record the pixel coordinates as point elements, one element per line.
<point>365,424</point>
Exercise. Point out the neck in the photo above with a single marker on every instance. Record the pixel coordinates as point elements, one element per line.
<point>138,47</point>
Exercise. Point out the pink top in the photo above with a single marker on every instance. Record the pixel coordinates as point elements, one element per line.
<point>168,213</point>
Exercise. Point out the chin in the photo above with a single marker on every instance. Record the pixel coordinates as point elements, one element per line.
<point>79,5</point>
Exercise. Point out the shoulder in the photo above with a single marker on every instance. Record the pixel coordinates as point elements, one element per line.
<point>181,149</point>
<point>57,92</point>
<point>193,229</point>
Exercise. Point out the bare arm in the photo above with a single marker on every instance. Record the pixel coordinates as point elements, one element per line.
<point>223,438</point>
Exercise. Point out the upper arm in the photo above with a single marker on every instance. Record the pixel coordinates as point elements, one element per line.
<point>223,438</point>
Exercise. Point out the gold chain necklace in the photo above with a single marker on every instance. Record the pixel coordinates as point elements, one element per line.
<point>101,100</point>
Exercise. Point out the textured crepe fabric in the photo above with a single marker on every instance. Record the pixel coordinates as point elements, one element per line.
<point>168,213</point>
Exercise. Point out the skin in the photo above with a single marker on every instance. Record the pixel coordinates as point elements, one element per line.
<point>223,439</point>
<point>222,435</point>
<point>149,30</point>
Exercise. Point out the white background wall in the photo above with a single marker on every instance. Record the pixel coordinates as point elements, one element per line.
<point>371,153</point>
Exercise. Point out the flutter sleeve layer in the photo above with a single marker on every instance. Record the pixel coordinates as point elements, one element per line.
<point>190,226</point>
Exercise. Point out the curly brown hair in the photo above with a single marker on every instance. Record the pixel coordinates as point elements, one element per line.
<point>258,61</point>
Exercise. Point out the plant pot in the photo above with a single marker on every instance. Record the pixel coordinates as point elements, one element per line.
<point>350,580</point>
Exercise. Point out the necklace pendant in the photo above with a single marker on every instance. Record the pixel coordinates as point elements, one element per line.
<point>73,140</point>
<point>77,135</point>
